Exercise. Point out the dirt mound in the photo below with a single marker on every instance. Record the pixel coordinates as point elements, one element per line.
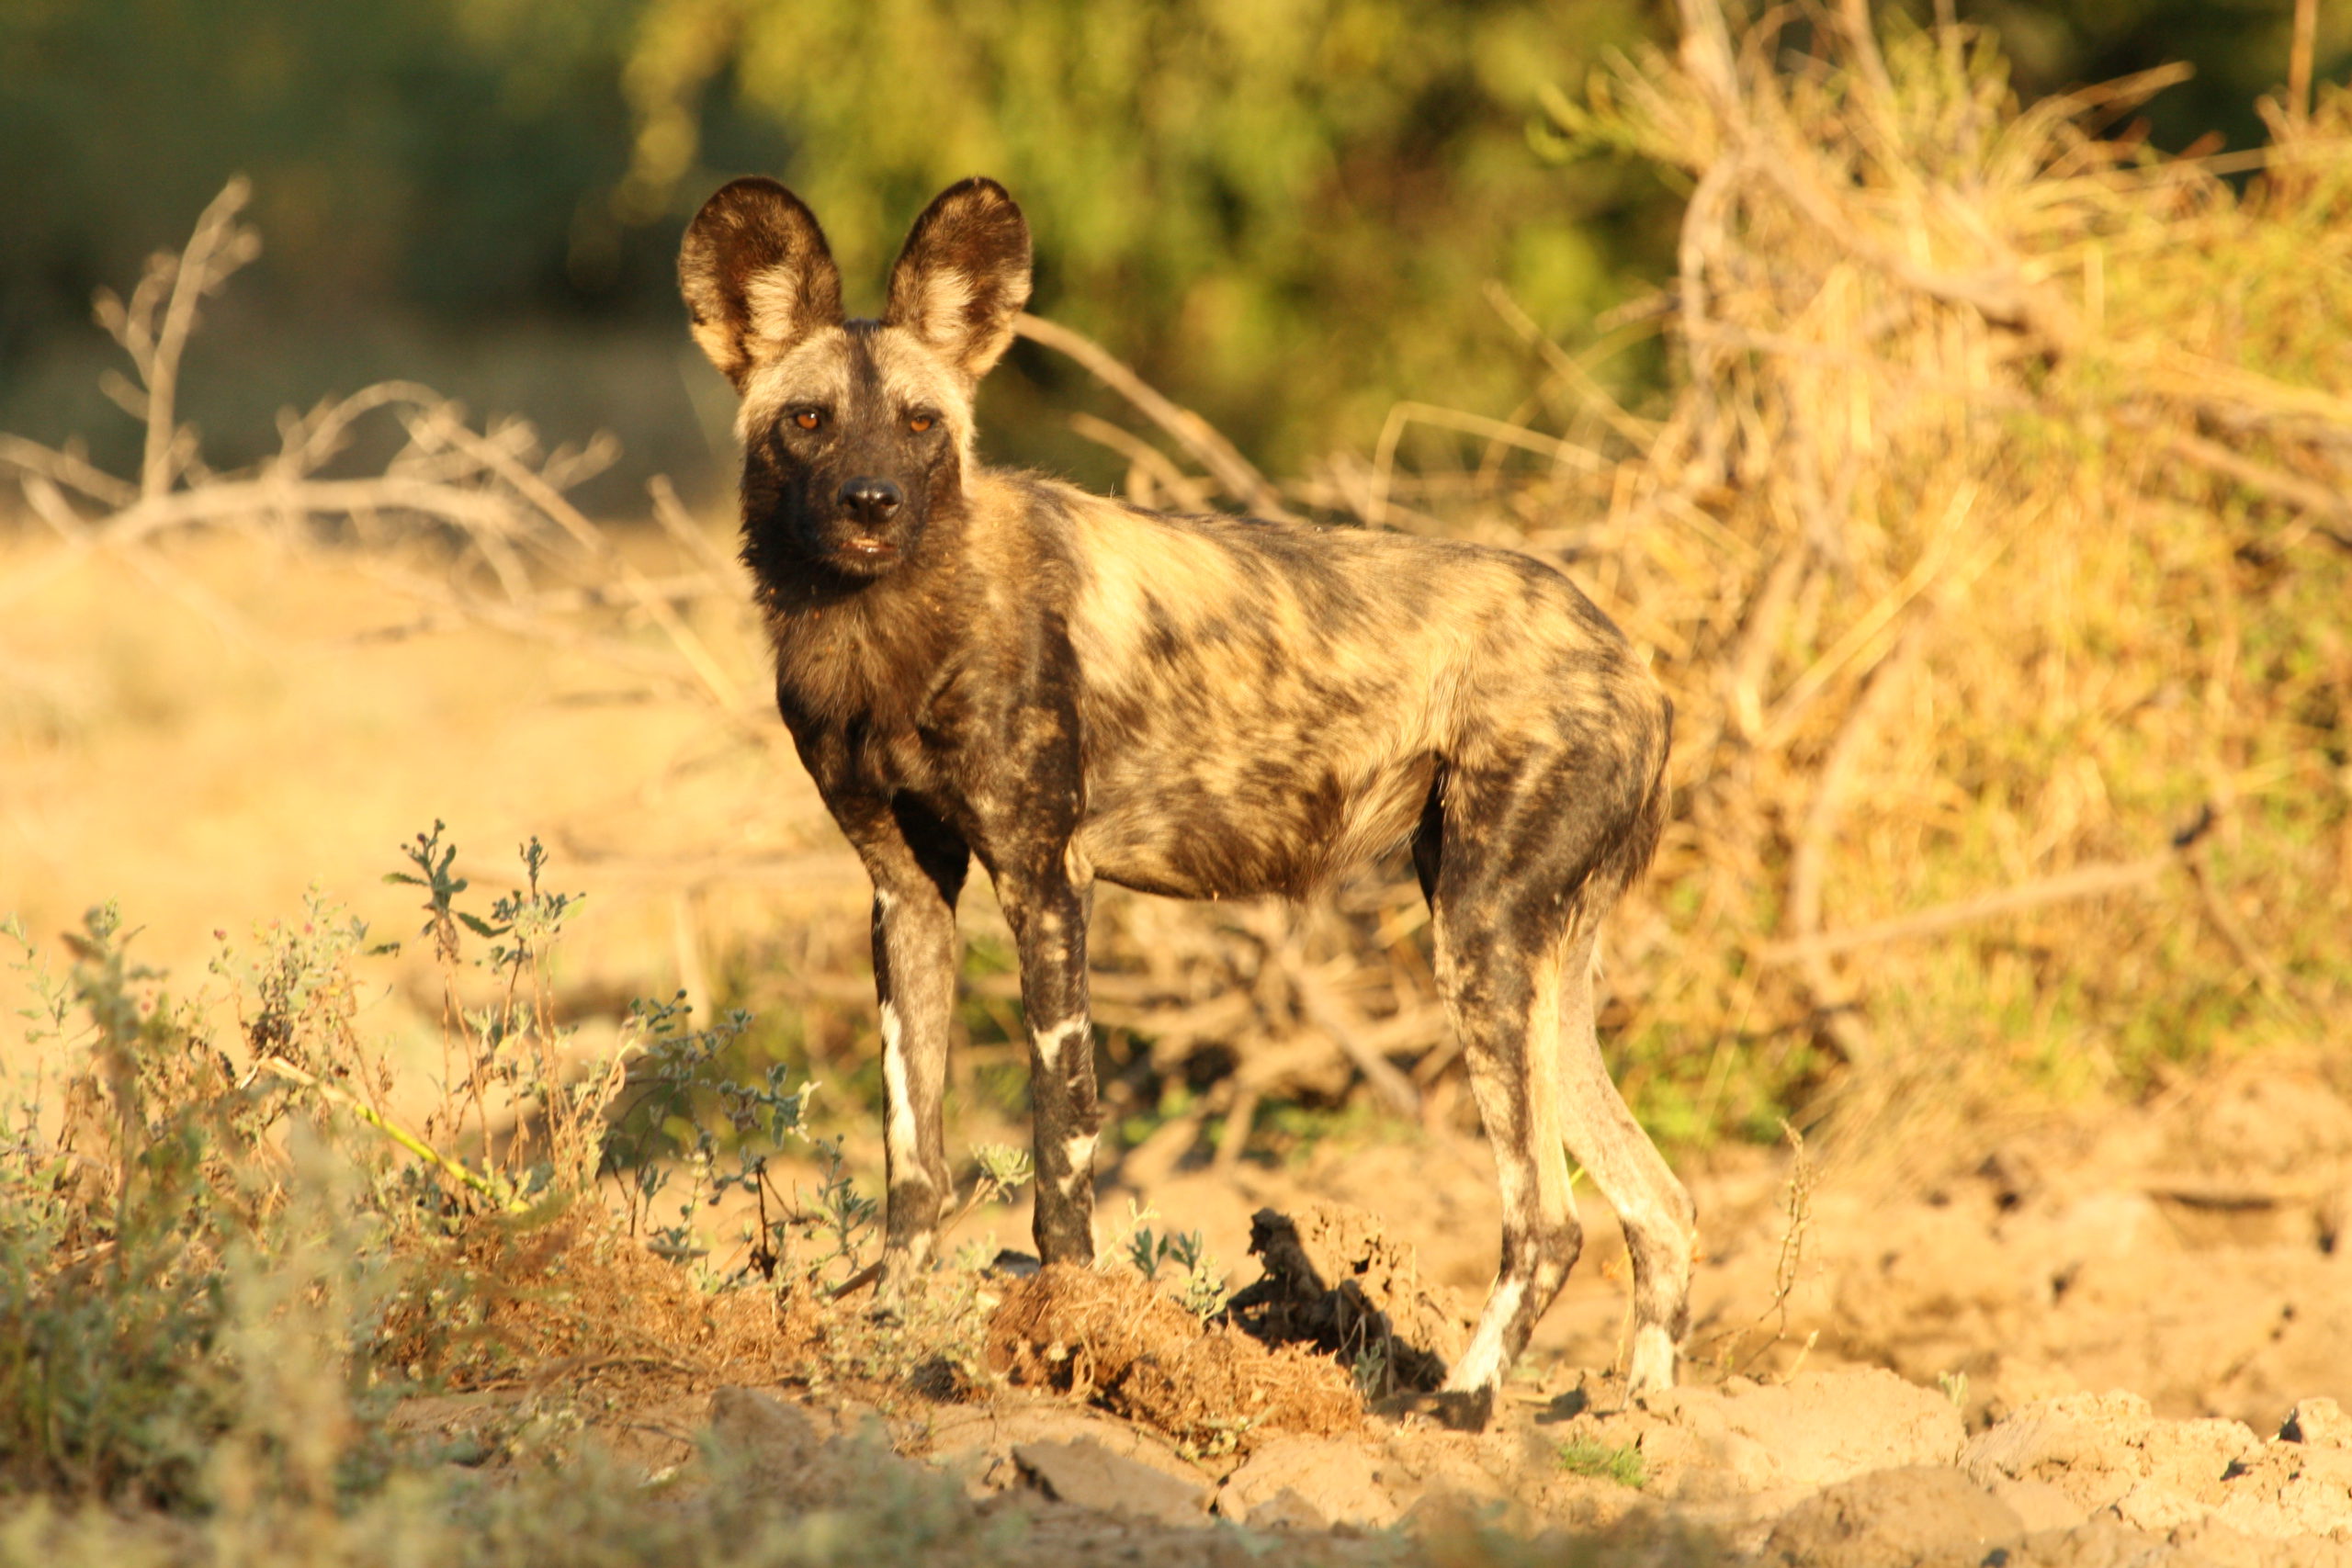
<point>1114,1339</point>
<point>2110,1454</point>
<point>1337,1282</point>
<point>1912,1515</point>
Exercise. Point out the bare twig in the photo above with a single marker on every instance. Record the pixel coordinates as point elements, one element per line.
<point>1144,459</point>
<point>552,504</point>
<point>2271,484</point>
<point>670,512</point>
<point>1640,432</point>
<point>1236,473</point>
<point>1809,856</point>
<point>1564,454</point>
<point>2298,63</point>
<point>2242,946</point>
<point>2085,882</point>
<point>1336,1017</point>
<point>68,469</point>
<point>218,248</point>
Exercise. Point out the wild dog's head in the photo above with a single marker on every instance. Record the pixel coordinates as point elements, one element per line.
<point>855,432</point>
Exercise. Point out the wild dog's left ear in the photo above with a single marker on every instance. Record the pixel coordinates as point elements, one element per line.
<point>963,275</point>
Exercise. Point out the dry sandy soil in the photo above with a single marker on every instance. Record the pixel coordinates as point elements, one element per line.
<point>2121,1339</point>
<point>2090,1335</point>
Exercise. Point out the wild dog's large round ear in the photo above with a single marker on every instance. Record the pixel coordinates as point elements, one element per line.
<point>963,275</point>
<point>757,276</point>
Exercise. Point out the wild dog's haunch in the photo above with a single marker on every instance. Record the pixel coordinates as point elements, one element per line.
<point>974,661</point>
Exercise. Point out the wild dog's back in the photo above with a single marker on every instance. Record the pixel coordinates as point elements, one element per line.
<point>1266,704</point>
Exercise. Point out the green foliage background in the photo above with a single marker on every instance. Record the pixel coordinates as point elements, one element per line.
<point>1283,211</point>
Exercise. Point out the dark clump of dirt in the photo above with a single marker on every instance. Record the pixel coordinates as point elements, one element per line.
<point>1115,1341</point>
<point>1337,1282</point>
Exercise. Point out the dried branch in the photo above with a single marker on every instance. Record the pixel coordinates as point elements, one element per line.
<point>1146,465</point>
<point>1236,473</point>
<point>1808,857</point>
<point>2084,882</point>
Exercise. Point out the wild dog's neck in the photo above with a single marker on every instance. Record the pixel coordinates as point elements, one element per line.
<point>870,650</point>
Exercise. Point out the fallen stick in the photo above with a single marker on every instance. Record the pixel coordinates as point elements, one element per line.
<point>1236,473</point>
<point>2087,882</point>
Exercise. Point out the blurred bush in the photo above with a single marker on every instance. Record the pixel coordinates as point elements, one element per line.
<point>1283,213</point>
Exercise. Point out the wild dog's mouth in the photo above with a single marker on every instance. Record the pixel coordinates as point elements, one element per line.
<point>865,554</point>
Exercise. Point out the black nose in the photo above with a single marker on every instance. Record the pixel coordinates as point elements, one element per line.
<point>870,501</point>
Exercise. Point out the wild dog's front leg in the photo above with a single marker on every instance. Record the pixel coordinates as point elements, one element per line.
<point>917,869</point>
<point>1049,912</point>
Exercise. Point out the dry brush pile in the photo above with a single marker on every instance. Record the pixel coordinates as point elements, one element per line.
<point>1997,549</point>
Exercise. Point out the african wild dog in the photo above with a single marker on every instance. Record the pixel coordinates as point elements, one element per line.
<point>974,661</point>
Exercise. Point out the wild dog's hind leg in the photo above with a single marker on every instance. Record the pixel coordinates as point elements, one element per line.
<point>917,867</point>
<point>1501,982</point>
<point>1625,1166</point>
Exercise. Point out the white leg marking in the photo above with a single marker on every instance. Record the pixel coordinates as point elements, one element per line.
<point>1080,1152</point>
<point>1653,1361</point>
<point>906,1153</point>
<point>1481,1365</point>
<point>1053,1040</point>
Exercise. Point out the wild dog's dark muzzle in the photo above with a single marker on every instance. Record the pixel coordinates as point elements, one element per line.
<point>870,507</point>
<point>871,501</point>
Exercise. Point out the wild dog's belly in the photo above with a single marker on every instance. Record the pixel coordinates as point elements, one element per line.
<point>1266,813</point>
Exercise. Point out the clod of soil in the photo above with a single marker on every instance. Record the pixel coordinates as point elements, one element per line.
<point>1335,1280</point>
<point>1911,1514</point>
<point>1114,1339</point>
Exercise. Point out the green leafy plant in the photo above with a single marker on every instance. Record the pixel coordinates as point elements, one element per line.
<point>683,1096</point>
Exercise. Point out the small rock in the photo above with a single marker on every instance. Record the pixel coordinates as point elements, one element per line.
<point>1893,1515</point>
<point>2321,1423</point>
<point>762,1428</point>
<point>2157,1508</point>
<point>974,1443</point>
<point>2291,1489</point>
<point>781,1453</point>
<point>2039,1505</point>
<point>1336,1482</point>
<point>1286,1510</point>
<point>1092,1476</point>
<point>2085,1445</point>
<point>2191,1456</point>
<point>1816,1430</point>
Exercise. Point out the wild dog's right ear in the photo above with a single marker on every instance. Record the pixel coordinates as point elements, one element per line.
<point>757,276</point>
<point>963,275</point>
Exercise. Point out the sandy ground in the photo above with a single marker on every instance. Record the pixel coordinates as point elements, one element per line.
<point>2113,1338</point>
<point>2120,1338</point>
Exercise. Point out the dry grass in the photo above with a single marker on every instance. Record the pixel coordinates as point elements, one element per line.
<point>1995,534</point>
<point>1114,1339</point>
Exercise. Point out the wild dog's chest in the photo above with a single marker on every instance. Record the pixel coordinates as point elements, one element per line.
<point>983,742</point>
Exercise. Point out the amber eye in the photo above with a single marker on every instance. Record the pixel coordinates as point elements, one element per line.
<point>920,423</point>
<point>809,419</point>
